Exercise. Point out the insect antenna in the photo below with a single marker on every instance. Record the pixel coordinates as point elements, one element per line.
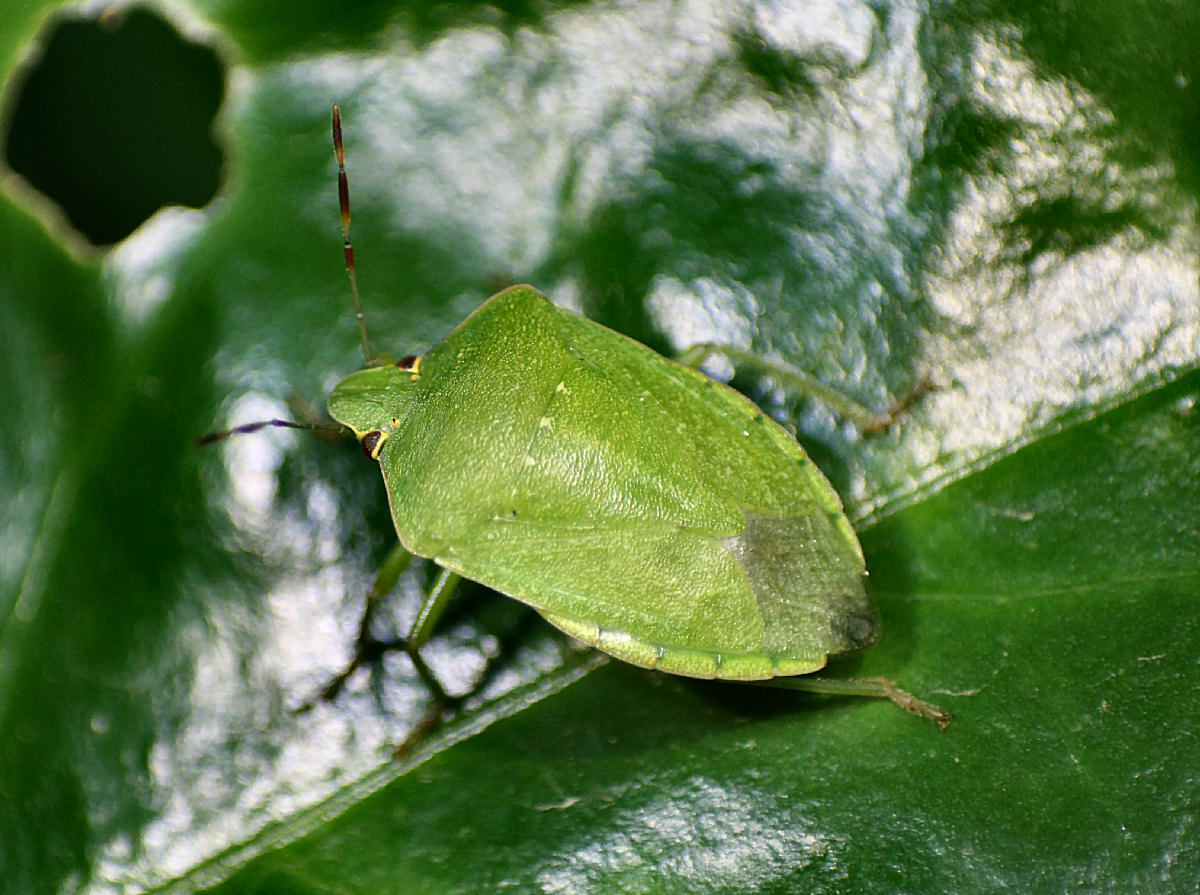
<point>246,429</point>
<point>348,251</point>
<point>347,248</point>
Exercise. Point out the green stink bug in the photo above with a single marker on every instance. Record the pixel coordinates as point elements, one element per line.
<point>635,503</point>
<point>640,506</point>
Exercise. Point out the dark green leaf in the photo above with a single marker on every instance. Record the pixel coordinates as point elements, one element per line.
<point>1001,197</point>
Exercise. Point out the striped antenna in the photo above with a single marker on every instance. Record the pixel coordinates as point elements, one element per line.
<point>347,248</point>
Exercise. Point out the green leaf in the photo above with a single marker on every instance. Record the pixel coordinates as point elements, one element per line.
<point>1000,197</point>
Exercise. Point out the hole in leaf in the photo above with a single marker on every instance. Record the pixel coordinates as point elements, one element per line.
<point>113,121</point>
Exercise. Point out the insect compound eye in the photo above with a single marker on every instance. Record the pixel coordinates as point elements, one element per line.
<point>409,362</point>
<point>372,443</point>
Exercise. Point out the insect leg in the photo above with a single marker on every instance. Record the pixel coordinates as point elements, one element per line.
<point>876,687</point>
<point>422,628</point>
<point>385,579</point>
<point>431,610</point>
<point>802,383</point>
<point>367,647</point>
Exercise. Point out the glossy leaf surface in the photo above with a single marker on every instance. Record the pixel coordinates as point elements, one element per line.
<point>997,196</point>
